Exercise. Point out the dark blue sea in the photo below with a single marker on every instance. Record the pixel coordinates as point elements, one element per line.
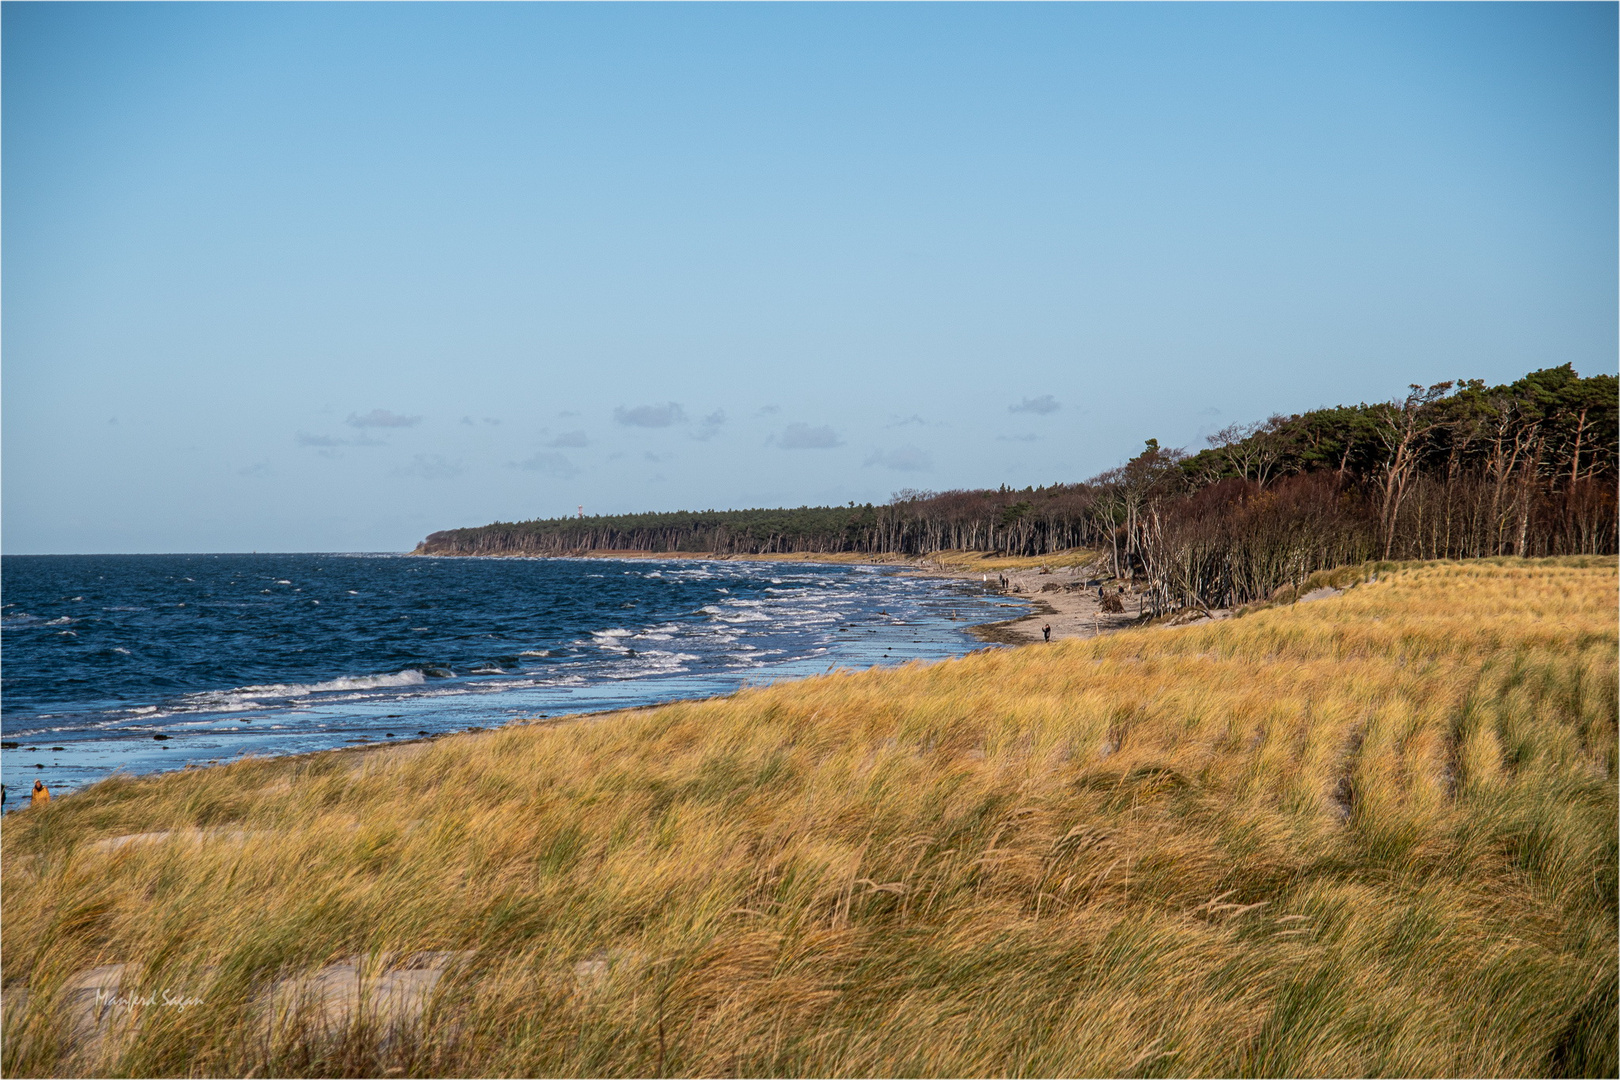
<point>227,655</point>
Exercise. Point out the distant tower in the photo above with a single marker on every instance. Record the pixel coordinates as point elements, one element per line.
<point>582,512</point>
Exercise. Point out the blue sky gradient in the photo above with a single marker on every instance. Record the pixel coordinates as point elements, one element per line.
<point>330,277</point>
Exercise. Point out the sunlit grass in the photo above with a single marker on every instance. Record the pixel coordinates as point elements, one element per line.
<point>1368,835</point>
<point>994,562</point>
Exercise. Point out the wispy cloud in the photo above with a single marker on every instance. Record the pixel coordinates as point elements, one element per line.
<point>258,468</point>
<point>710,427</point>
<point>570,438</point>
<point>430,467</point>
<point>905,459</point>
<point>768,410</point>
<point>1040,406</point>
<point>556,466</point>
<point>382,418</point>
<point>1018,438</point>
<point>805,437</point>
<point>908,421</point>
<point>491,421</point>
<point>650,416</point>
<point>327,444</point>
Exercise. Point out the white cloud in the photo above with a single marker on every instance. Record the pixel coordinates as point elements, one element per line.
<point>805,437</point>
<point>556,466</point>
<point>382,418</point>
<point>1041,406</point>
<point>570,438</point>
<point>430,467</point>
<point>650,416</point>
<point>328,442</point>
<point>711,425</point>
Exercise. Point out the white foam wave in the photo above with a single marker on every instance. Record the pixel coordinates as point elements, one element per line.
<point>408,677</point>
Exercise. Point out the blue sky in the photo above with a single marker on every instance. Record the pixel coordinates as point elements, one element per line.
<point>330,277</point>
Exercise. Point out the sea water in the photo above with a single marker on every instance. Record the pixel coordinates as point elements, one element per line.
<point>147,662</point>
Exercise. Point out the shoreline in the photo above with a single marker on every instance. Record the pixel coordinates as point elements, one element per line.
<point>934,631</point>
<point>1056,594</point>
<point>1055,585</point>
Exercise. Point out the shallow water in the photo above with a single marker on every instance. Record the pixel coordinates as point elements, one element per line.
<point>273,654</point>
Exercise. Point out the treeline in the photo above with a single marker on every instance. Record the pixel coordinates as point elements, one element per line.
<point>1454,470</point>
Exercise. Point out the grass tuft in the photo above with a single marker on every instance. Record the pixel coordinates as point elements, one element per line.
<point>1374,834</point>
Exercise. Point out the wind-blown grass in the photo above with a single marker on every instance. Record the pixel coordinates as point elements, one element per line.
<point>1368,835</point>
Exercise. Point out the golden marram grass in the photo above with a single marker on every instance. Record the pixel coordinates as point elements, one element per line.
<point>1368,835</point>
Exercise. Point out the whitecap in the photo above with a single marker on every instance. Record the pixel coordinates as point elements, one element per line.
<point>408,677</point>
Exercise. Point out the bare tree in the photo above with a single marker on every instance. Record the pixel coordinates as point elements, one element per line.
<point>1401,427</point>
<point>1254,449</point>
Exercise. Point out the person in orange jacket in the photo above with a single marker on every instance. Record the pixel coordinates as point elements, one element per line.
<point>42,794</point>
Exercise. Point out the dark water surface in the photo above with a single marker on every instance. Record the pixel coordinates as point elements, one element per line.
<point>273,654</point>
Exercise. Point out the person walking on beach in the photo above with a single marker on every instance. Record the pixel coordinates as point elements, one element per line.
<point>1046,631</point>
<point>42,794</point>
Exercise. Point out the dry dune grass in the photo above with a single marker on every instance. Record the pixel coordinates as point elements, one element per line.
<point>993,562</point>
<point>1369,835</point>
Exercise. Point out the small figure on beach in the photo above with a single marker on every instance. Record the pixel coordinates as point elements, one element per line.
<point>1046,631</point>
<point>42,794</point>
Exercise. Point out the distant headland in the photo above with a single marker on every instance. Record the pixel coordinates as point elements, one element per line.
<point>1454,470</point>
